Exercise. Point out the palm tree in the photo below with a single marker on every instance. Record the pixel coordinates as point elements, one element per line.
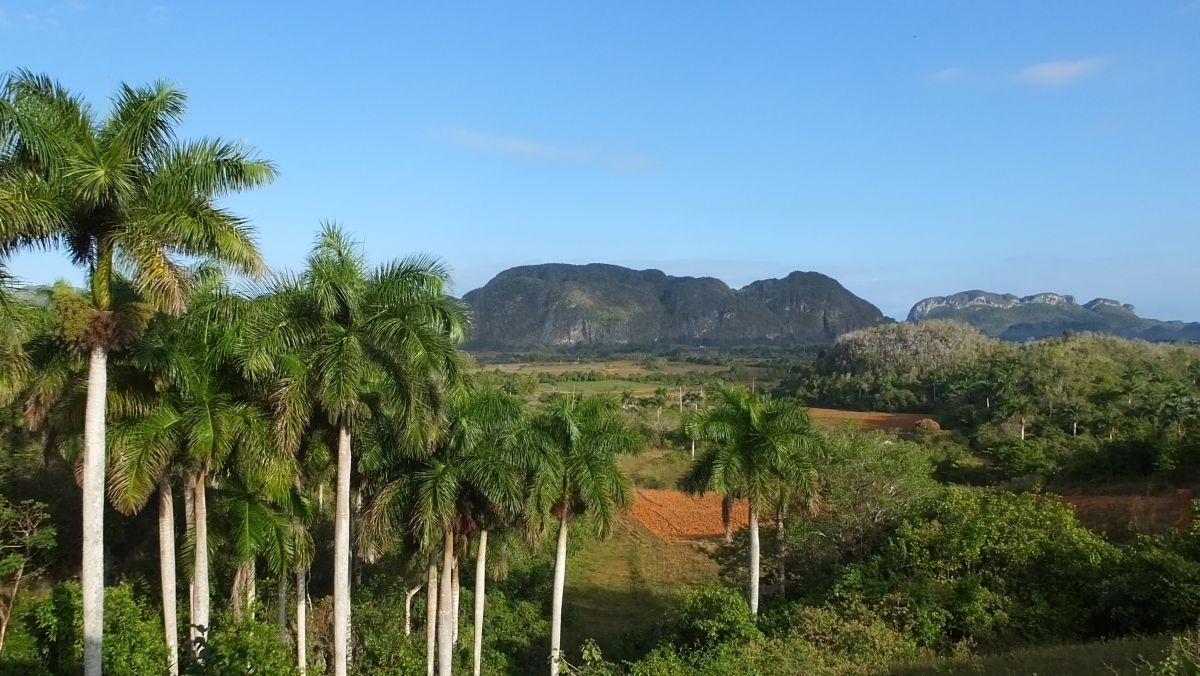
<point>759,448</point>
<point>472,481</point>
<point>203,417</point>
<point>574,470</point>
<point>118,190</point>
<point>385,334</point>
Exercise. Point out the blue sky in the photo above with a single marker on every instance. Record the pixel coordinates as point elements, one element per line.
<point>907,148</point>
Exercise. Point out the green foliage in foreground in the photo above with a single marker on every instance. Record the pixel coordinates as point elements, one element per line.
<point>132,629</point>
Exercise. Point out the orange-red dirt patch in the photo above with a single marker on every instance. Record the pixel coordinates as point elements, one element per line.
<point>1133,513</point>
<point>869,420</point>
<point>674,514</point>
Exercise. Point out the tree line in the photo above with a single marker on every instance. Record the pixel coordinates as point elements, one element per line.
<point>165,377</point>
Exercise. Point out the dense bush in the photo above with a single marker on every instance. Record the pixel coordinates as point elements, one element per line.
<point>133,638</point>
<point>246,646</point>
<point>984,567</point>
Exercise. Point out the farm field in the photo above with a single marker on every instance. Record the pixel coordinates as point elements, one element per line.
<point>622,587</point>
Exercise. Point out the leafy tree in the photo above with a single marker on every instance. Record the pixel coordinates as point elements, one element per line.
<point>760,448</point>
<point>117,191</point>
<point>574,471</point>
<point>25,534</point>
<point>338,339</point>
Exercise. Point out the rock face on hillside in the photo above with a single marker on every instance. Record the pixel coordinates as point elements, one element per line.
<point>557,305</point>
<point>1047,314</point>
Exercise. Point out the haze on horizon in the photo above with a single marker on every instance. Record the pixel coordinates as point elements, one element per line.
<point>907,151</point>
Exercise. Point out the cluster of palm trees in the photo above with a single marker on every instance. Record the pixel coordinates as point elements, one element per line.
<point>164,376</point>
<point>172,378</point>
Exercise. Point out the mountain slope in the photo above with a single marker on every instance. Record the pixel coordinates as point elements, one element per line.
<point>558,305</point>
<point>1047,314</point>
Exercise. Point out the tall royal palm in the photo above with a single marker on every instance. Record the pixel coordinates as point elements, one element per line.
<point>117,190</point>
<point>470,482</point>
<point>200,416</point>
<point>759,448</point>
<point>575,470</point>
<point>363,335</point>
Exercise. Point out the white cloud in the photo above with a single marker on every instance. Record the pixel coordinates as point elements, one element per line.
<point>1058,73</point>
<point>950,74</point>
<point>537,150</point>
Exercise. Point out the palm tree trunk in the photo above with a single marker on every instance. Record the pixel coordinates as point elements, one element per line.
<point>237,593</point>
<point>727,518</point>
<point>200,565</point>
<point>166,572</point>
<point>754,555</point>
<point>560,579</point>
<point>455,590</point>
<point>445,636</point>
<point>431,611</point>
<point>281,596</point>
<point>189,525</point>
<point>341,556</point>
<point>92,573</point>
<point>251,587</point>
<point>302,622</point>
<point>480,597</point>
<point>408,597</point>
<point>781,551</point>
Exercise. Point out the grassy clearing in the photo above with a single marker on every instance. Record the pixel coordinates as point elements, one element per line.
<point>619,589</point>
<point>617,368</point>
<point>656,467</point>
<point>1127,657</point>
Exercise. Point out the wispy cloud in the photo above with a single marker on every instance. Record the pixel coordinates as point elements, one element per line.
<point>951,74</point>
<point>1058,73</point>
<point>531,149</point>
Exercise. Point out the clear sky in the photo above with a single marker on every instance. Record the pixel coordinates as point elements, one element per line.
<point>907,148</point>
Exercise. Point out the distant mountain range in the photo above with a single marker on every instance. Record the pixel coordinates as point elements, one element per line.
<point>557,305</point>
<point>1047,314</point>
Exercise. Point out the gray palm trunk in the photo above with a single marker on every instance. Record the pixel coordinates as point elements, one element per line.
<point>166,572</point>
<point>754,556</point>
<point>431,611</point>
<point>480,598</point>
<point>445,616</point>
<point>408,597</point>
<point>727,518</point>
<point>781,548</point>
<point>341,556</point>
<point>200,562</point>
<point>281,596</point>
<point>92,573</point>
<point>189,519</point>
<point>301,622</point>
<point>455,592</point>
<point>560,578</point>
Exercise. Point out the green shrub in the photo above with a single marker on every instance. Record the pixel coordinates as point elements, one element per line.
<point>711,615</point>
<point>985,566</point>
<point>246,646</point>
<point>1183,658</point>
<point>851,632</point>
<point>133,637</point>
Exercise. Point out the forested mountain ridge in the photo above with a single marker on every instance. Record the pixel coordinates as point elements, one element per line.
<point>560,305</point>
<point>1047,314</point>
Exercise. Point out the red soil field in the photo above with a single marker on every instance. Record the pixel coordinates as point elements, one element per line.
<point>868,420</point>
<point>673,514</point>
<point>1133,513</point>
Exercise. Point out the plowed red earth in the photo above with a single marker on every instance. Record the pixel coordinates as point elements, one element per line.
<point>673,514</point>
<point>869,420</point>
